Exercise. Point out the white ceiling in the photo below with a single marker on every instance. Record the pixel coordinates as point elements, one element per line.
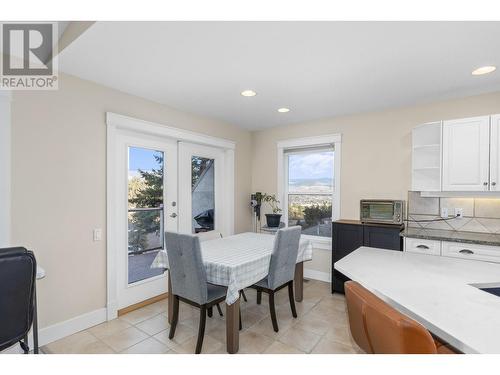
<point>317,69</point>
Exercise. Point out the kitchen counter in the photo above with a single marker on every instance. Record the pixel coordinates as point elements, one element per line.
<point>358,222</point>
<point>453,236</point>
<point>435,291</point>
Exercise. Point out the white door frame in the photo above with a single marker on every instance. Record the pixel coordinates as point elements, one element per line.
<point>116,123</point>
<point>5,168</point>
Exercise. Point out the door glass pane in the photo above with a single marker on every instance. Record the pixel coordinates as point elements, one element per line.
<point>202,194</point>
<point>379,211</point>
<point>145,211</point>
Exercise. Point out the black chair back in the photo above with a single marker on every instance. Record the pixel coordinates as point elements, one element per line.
<point>17,285</point>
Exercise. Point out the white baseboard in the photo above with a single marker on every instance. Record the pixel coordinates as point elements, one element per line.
<point>317,275</point>
<point>68,327</point>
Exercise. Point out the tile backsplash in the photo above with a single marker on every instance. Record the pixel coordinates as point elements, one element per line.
<point>479,214</point>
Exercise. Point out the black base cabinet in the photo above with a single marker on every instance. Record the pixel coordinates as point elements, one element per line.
<point>348,235</point>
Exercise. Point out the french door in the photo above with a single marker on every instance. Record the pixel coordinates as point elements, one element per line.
<point>162,184</point>
<point>147,175</point>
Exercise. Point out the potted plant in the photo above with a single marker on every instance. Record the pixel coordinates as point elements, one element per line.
<point>272,220</point>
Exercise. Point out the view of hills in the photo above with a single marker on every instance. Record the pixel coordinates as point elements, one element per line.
<point>310,185</point>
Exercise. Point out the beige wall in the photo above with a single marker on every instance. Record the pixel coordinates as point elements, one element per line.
<point>59,184</point>
<point>376,150</point>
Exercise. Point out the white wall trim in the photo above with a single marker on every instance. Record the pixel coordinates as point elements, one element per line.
<point>319,140</point>
<point>111,180</point>
<point>151,128</point>
<point>317,275</point>
<point>316,141</point>
<point>5,167</point>
<point>68,327</point>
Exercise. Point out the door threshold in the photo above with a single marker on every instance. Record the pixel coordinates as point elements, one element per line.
<point>138,305</point>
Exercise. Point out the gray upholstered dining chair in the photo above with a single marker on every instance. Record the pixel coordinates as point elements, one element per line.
<point>189,281</point>
<point>281,270</point>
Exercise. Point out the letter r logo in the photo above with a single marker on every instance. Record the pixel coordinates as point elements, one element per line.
<point>27,49</point>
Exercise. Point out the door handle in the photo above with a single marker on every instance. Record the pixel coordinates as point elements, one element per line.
<point>423,247</point>
<point>466,251</point>
<point>173,215</point>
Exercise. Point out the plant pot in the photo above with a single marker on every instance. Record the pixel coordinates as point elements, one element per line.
<point>273,220</point>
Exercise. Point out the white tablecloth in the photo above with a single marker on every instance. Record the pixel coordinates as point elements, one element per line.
<point>237,261</point>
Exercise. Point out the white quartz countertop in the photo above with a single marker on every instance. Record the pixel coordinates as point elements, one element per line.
<point>435,291</point>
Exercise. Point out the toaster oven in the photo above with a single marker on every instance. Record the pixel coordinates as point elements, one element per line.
<point>382,211</point>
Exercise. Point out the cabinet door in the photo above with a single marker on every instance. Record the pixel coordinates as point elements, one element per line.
<point>383,237</point>
<point>466,154</point>
<point>495,153</point>
<point>420,246</point>
<point>346,239</point>
<point>471,251</point>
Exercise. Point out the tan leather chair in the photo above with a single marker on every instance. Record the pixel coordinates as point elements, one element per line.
<point>356,297</point>
<point>386,330</point>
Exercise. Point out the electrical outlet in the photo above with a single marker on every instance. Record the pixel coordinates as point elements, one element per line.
<point>459,212</point>
<point>444,212</point>
<point>97,233</point>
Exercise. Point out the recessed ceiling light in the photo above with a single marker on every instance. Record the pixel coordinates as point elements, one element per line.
<point>283,110</point>
<point>248,93</point>
<point>484,70</point>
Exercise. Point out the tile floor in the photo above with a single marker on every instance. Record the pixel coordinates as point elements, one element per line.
<point>321,327</point>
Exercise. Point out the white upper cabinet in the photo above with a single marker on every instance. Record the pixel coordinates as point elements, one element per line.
<point>426,157</point>
<point>495,153</point>
<point>466,149</point>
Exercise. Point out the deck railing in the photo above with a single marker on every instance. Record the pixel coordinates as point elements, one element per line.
<point>146,233</point>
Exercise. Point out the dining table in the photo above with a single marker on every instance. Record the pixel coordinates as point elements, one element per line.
<point>237,262</point>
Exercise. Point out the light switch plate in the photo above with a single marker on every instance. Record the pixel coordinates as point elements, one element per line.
<point>444,212</point>
<point>97,234</point>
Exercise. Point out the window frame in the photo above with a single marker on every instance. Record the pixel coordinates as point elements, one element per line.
<point>297,145</point>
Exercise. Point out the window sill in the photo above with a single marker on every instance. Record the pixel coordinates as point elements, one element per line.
<point>322,243</point>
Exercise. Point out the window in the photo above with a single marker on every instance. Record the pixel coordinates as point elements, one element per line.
<point>310,190</point>
<point>308,171</point>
